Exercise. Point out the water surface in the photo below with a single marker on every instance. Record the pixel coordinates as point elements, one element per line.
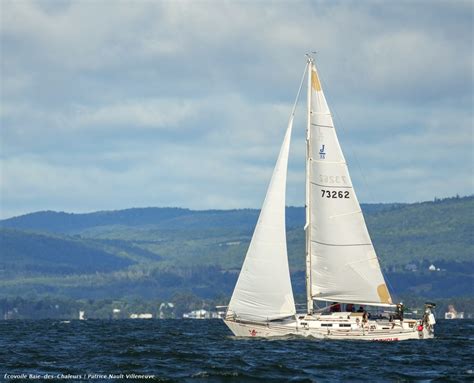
<point>205,351</point>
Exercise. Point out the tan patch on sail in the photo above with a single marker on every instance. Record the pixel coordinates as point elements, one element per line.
<point>315,81</point>
<point>383,293</point>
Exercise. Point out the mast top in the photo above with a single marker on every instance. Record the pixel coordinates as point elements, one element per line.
<point>311,56</point>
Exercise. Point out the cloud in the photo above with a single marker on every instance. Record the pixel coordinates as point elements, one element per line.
<point>185,103</point>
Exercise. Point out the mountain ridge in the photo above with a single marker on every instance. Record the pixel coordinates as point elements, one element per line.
<point>160,251</point>
<point>64,222</point>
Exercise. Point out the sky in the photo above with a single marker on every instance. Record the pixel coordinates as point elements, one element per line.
<point>116,104</point>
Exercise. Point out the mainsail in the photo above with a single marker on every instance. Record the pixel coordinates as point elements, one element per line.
<point>343,264</point>
<point>263,290</point>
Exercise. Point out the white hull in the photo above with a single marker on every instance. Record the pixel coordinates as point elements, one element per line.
<point>336,326</point>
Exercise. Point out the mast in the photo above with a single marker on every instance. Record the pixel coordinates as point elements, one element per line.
<point>307,227</point>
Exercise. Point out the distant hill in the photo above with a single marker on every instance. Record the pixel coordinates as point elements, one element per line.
<point>442,230</point>
<point>61,222</point>
<point>164,218</point>
<point>162,251</point>
<point>34,254</point>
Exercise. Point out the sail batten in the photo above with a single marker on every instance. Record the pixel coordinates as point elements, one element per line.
<point>331,186</point>
<point>322,126</point>
<point>336,244</point>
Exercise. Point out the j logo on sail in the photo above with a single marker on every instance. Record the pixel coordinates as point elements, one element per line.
<point>322,154</point>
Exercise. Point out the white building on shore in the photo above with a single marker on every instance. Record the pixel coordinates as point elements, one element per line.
<point>201,314</point>
<point>453,314</point>
<point>141,316</point>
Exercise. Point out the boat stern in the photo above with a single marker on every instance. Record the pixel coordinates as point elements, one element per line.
<point>428,322</point>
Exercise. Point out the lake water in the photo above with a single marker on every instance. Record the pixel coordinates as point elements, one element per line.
<point>205,351</point>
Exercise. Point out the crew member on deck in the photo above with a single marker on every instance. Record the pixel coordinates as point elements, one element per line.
<point>400,310</point>
<point>335,308</point>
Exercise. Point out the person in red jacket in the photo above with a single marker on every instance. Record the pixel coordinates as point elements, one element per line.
<point>335,307</point>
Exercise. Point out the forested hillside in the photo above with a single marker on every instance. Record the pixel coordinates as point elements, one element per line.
<point>158,252</point>
<point>26,254</point>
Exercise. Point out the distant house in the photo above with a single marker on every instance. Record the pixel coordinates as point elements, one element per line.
<point>453,314</point>
<point>166,310</point>
<point>411,267</point>
<point>116,313</point>
<point>231,243</point>
<point>201,314</point>
<point>197,314</point>
<point>141,316</point>
<point>11,314</point>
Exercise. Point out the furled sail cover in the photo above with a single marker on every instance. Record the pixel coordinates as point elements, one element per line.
<point>263,290</point>
<point>344,266</point>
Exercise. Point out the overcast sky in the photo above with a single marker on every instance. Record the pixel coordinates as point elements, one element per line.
<point>110,105</point>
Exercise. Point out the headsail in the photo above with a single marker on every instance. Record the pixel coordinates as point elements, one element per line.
<point>344,265</point>
<point>263,290</point>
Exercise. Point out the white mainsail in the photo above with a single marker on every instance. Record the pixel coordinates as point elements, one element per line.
<point>343,264</point>
<point>263,290</point>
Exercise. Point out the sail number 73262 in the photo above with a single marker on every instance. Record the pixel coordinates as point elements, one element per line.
<point>334,194</point>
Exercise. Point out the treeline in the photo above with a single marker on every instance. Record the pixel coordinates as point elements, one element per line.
<point>151,281</point>
<point>146,281</point>
<point>61,308</point>
<point>66,308</point>
<point>155,253</point>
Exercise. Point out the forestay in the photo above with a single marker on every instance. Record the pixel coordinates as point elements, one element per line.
<point>344,265</point>
<point>263,290</point>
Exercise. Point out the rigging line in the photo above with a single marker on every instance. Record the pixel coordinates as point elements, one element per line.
<point>325,308</point>
<point>384,275</point>
<point>293,110</point>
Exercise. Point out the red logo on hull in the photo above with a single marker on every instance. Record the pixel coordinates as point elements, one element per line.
<point>253,332</point>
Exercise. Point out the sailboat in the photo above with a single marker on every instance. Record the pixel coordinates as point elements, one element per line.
<point>342,268</point>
